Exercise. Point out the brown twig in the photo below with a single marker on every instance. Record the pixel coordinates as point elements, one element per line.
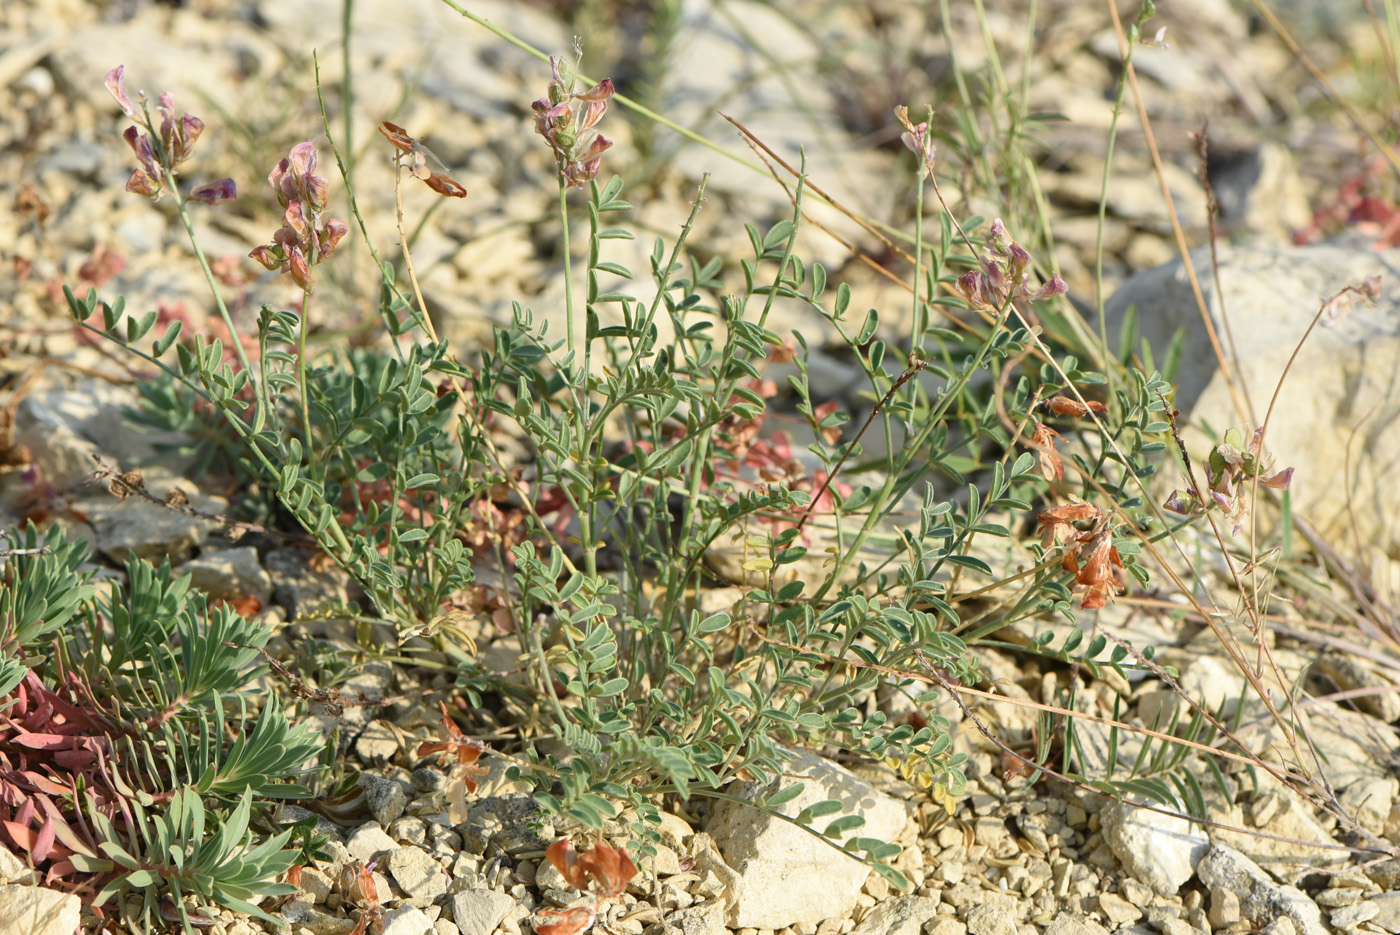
<point>123,484</point>
<point>908,374</point>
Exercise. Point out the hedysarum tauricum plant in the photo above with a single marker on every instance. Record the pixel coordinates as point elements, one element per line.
<point>305,239</point>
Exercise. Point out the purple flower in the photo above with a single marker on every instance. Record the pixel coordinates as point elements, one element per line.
<point>566,119</point>
<point>305,237</point>
<point>212,193</point>
<point>1003,276</point>
<point>160,152</point>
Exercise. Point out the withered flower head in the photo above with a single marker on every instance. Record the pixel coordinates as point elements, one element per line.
<point>418,164</point>
<point>916,139</point>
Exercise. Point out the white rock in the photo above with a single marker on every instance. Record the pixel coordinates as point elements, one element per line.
<point>1338,397</point>
<point>1261,899</point>
<point>369,841</point>
<point>417,874</point>
<point>12,869</point>
<point>62,455</point>
<point>38,911</point>
<point>1259,191</point>
<point>1072,923</point>
<point>991,919</point>
<point>1349,917</point>
<point>478,912</point>
<point>1387,912</point>
<point>1159,850</point>
<point>785,875</point>
<point>902,915</point>
<point>407,920</point>
<point>702,919</point>
<point>136,527</point>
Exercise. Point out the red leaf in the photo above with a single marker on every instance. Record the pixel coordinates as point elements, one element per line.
<point>43,843</point>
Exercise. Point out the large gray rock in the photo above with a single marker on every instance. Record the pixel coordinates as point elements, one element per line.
<point>785,875</point>
<point>1261,899</point>
<point>1337,419</point>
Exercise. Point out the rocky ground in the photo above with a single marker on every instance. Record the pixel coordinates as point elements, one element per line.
<point>1305,209</point>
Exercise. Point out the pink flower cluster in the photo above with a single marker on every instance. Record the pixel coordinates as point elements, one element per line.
<point>566,120</point>
<point>160,153</point>
<point>305,238</point>
<point>1003,275</point>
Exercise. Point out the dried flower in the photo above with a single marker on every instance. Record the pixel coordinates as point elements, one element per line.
<point>1157,40</point>
<point>566,119</point>
<point>161,152</point>
<point>409,146</point>
<point>1335,308</point>
<point>916,139</point>
<point>1062,405</point>
<point>603,872</point>
<point>1052,466</point>
<point>1090,554</point>
<point>1003,276</point>
<point>1231,471</point>
<point>305,238</point>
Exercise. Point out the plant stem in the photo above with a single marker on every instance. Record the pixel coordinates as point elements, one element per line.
<point>209,276</point>
<point>568,268</point>
<point>301,382</point>
<point>346,97</point>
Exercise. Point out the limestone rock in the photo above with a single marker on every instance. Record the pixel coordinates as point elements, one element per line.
<point>135,527</point>
<point>1261,899</point>
<point>369,841</point>
<point>1387,912</point>
<point>1347,672</point>
<point>1071,923</point>
<point>785,875</point>
<point>229,573</point>
<point>38,911</point>
<point>703,919</point>
<point>417,874</point>
<point>991,919</point>
<point>406,920</point>
<point>1159,850</point>
<point>478,912</point>
<point>1338,398</point>
<point>902,915</point>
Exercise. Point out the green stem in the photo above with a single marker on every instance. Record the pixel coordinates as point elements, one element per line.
<point>208,275</point>
<point>568,268</point>
<point>920,321</point>
<point>301,382</point>
<point>346,97</point>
